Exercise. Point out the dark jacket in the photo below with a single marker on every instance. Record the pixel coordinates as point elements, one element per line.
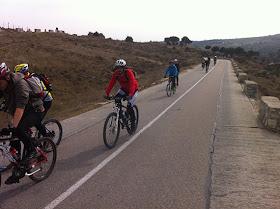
<point>19,95</point>
<point>178,67</point>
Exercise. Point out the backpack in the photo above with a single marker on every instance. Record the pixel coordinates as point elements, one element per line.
<point>134,73</point>
<point>35,85</point>
<point>44,79</point>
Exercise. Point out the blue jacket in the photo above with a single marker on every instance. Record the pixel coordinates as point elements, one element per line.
<point>172,71</point>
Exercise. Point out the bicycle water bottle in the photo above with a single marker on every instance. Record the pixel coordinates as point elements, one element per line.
<point>14,153</point>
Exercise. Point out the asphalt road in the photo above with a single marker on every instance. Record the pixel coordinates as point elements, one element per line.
<point>165,164</point>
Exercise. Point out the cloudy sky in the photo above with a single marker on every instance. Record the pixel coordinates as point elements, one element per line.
<point>147,20</point>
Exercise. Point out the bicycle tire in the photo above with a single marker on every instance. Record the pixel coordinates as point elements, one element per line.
<point>168,89</point>
<point>48,147</point>
<point>135,108</point>
<point>5,164</point>
<point>110,130</point>
<point>53,127</point>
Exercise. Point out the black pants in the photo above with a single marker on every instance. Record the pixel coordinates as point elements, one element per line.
<point>39,126</point>
<point>27,121</point>
<point>177,76</point>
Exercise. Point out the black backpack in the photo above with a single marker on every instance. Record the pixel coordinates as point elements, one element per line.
<point>134,73</point>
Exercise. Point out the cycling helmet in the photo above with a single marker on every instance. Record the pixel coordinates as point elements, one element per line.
<point>175,60</point>
<point>120,63</point>
<point>22,68</point>
<point>3,70</point>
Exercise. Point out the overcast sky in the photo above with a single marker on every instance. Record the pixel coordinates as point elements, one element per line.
<point>147,20</point>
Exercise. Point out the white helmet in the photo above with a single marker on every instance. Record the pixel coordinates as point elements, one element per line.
<point>120,63</point>
<point>175,60</point>
<point>3,70</point>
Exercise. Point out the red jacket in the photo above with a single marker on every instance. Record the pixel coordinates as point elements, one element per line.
<point>129,85</point>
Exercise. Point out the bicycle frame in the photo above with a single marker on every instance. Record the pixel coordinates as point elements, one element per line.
<point>170,81</point>
<point>117,107</point>
<point>7,154</point>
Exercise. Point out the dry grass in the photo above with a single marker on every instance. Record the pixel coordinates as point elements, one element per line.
<point>81,67</point>
<point>265,74</point>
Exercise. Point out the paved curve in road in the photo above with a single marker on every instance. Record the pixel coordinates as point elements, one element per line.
<point>164,165</point>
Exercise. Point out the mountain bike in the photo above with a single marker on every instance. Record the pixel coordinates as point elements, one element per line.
<point>117,119</point>
<point>39,168</point>
<point>53,130</point>
<point>170,88</point>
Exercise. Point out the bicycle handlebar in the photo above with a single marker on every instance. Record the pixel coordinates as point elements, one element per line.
<point>116,98</point>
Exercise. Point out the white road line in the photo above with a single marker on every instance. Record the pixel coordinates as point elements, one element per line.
<point>79,183</point>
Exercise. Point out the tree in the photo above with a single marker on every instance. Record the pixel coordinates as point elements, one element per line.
<point>96,34</point>
<point>129,39</point>
<point>207,47</point>
<point>215,49</point>
<point>173,40</point>
<point>186,40</point>
<point>222,50</point>
<point>239,50</point>
<point>255,53</point>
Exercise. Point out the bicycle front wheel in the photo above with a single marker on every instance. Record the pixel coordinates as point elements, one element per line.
<point>168,89</point>
<point>5,164</point>
<point>111,130</point>
<point>45,161</point>
<point>53,130</point>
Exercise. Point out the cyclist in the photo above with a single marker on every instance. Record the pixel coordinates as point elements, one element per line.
<point>129,87</point>
<point>47,97</point>
<point>207,63</point>
<point>215,60</point>
<point>173,72</point>
<point>202,62</point>
<point>178,69</point>
<point>27,110</point>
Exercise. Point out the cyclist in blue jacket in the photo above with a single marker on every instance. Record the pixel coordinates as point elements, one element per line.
<point>173,72</point>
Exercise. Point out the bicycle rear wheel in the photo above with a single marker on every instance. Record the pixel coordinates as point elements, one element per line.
<point>111,130</point>
<point>53,130</point>
<point>45,161</point>
<point>168,89</point>
<point>135,108</point>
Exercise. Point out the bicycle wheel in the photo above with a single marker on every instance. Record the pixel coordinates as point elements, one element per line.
<point>111,130</point>
<point>135,108</point>
<point>174,90</point>
<point>168,89</point>
<point>45,161</point>
<point>5,164</point>
<point>53,130</point>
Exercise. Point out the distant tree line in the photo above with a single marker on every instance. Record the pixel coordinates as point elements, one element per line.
<point>173,40</point>
<point>232,51</point>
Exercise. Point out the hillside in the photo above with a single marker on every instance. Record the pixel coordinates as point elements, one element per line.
<point>80,67</point>
<point>267,75</point>
<point>268,46</point>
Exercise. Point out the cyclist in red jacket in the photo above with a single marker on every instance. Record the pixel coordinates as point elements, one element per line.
<point>129,87</point>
